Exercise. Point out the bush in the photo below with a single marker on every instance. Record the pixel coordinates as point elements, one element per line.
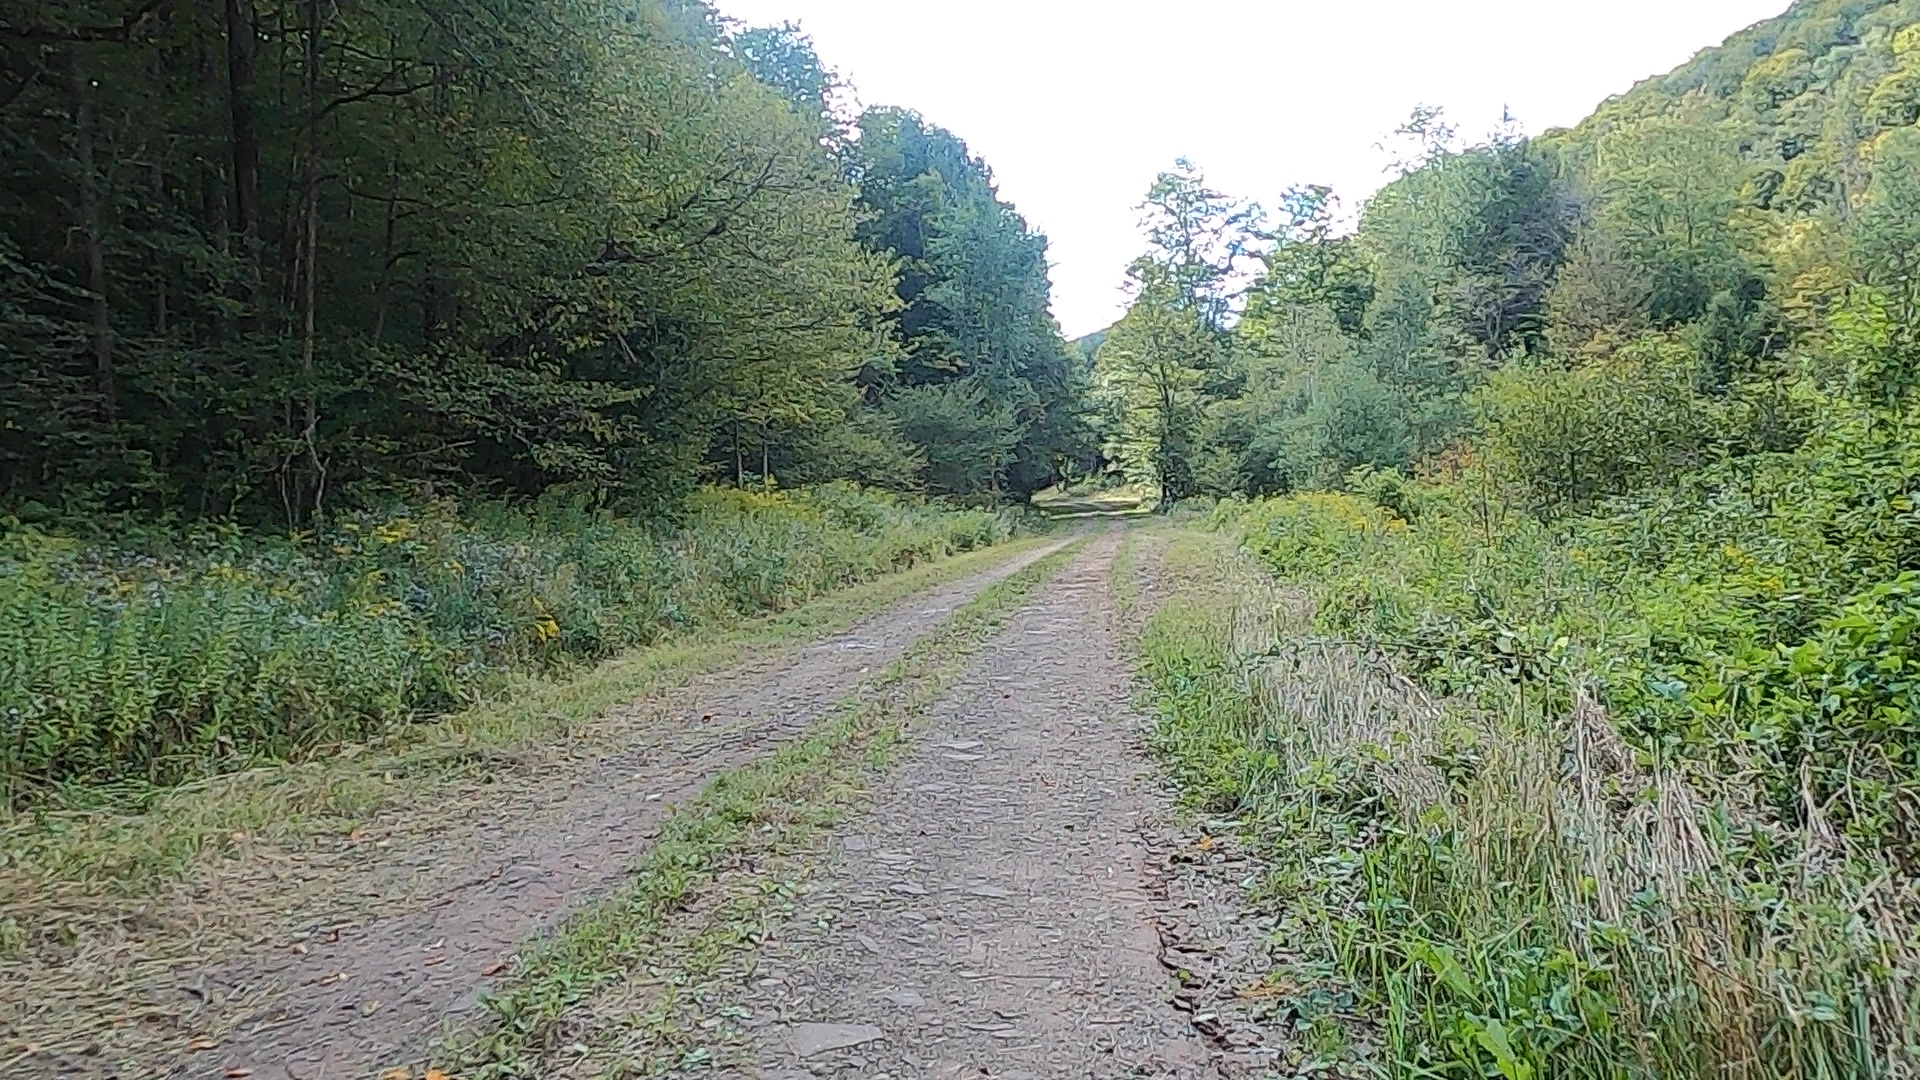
<point>223,648</point>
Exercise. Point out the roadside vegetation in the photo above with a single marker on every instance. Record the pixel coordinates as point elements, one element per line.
<point>352,358</point>
<point>1550,634</point>
<point>129,670</point>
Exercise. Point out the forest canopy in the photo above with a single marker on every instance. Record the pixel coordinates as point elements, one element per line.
<point>265,259</point>
<point>1696,245</point>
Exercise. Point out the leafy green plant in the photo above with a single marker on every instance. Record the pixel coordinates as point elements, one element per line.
<point>226,649</point>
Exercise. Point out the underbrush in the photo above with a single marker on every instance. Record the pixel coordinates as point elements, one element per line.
<point>1753,620</point>
<point>1628,795</point>
<point>1502,886</point>
<point>122,668</point>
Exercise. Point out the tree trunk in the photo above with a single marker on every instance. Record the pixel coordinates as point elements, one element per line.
<point>310,257</point>
<point>383,286</point>
<point>100,322</point>
<point>245,138</point>
<point>162,273</point>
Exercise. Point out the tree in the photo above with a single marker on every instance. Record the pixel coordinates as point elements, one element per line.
<point>973,321</point>
<point>1150,373</point>
<point>269,255</point>
<point>1201,241</point>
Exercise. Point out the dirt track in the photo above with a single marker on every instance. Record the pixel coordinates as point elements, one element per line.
<point>361,996</point>
<point>1005,905</point>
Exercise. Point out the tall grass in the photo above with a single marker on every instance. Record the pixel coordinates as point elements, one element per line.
<point>219,650</point>
<point>1508,886</point>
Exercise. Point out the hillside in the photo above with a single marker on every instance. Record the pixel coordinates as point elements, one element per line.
<point>1553,635</point>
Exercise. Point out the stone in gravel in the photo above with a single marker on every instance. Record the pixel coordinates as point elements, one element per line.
<point>991,892</point>
<point>964,757</point>
<point>812,1039</point>
<point>906,999</point>
<point>908,888</point>
<point>964,744</point>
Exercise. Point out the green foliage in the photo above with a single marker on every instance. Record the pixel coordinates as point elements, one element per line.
<point>979,351</point>
<point>229,648</point>
<point>1625,420</point>
<point>1510,886</point>
<point>1149,376</point>
<point>270,259</point>
<point>1569,437</point>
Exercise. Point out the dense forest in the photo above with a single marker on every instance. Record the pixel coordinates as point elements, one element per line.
<point>1606,438</point>
<point>268,259</point>
<point>1729,240</point>
<point>354,354</point>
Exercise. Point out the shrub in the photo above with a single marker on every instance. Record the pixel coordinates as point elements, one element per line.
<point>219,649</point>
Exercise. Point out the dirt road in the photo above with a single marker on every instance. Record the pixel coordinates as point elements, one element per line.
<point>1002,904</point>
<point>998,910</point>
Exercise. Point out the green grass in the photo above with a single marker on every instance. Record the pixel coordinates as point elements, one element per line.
<point>129,667</point>
<point>1096,502</point>
<point>86,863</point>
<point>1500,885</point>
<point>774,805</point>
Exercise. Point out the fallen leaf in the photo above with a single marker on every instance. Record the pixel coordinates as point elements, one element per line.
<point>1205,843</point>
<point>397,1073</point>
<point>236,1072</point>
<point>356,836</point>
<point>436,1074</point>
<point>202,1044</point>
<point>432,960</point>
<point>1260,990</point>
<point>494,968</point>
<point>336,977</point>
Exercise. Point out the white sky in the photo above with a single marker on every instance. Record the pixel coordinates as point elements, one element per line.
<point>1077,104</point>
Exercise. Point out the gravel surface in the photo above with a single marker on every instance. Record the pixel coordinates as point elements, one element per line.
<point>1015,901</point>
<point>354,995</point>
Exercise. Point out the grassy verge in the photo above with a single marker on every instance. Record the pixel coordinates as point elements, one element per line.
<point>67,873</point>
<point>131,664</point>
<point>547,1016</point>
<point>1501,886</point>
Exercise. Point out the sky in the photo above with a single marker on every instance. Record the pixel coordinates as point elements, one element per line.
<point>1077,104</point>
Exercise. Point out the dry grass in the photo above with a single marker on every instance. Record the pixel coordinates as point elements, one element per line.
<point>1512,888</point>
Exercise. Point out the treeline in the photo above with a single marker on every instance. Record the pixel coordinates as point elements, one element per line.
<point>267,259</point>
<point>1697,250</point>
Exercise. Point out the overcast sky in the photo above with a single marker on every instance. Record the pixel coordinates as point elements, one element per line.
<point>1077,104</point>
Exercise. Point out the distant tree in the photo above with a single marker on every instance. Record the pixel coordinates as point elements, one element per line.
<point>1151,372</point>
<point>973,319</point>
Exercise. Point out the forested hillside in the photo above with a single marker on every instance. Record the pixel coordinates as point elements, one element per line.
<point>352,355</point>
<point>267,259</point>
<point>1608,439</point>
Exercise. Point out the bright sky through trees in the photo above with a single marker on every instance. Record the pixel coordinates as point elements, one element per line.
<point>1078,104</point>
